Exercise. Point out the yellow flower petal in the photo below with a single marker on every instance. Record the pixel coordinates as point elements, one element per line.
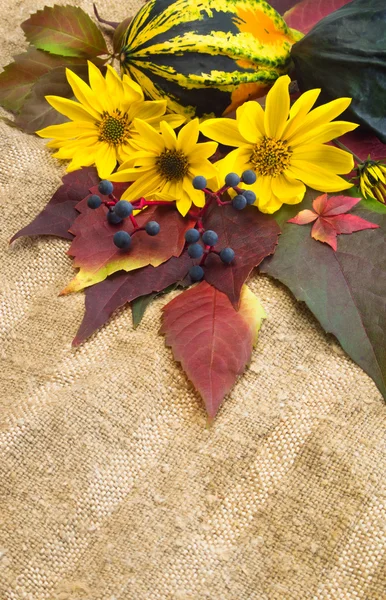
<point>145,187</point>
<point>168,136</point>
<point>69,108</point>
<point>151,139</point>
<point>105,160</point>
<point>188,136</point>
<point>67,130</point>
<point>203,151</point>
<point>174,120</point>
<point>204,168</point>
<point>323,133</point>
<point>224,131</point>
<point>283,187</point>
<point>84,94</point>
<point>328,157</point>
<point>277,107</point>
<point>147,111</point>
<point>299,110</point>
<point>250,121</point>
<point>196,196</point>
<point>316,177</point>
<point>319,116</point>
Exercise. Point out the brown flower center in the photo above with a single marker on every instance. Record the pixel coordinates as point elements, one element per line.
<point>271,157</point>
<point>173,165</point>
<point>114,128</point>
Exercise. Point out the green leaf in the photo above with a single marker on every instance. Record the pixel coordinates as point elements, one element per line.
<point>139,305</point>
<point>346,290</point>
<point>65,30</point>
<point>18,78</point>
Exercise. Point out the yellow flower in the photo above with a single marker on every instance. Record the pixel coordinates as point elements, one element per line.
<point>285,147</point>
<point>372,180</point>
<point>101,130</point>
<point>166,164</point>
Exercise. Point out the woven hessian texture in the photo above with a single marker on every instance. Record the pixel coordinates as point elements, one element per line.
<point>111,486</point>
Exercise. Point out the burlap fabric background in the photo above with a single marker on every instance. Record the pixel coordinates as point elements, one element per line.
<point>111,486</point>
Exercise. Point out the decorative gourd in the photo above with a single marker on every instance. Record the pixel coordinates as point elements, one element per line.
<point>206,56</point>
<point>345,55</point>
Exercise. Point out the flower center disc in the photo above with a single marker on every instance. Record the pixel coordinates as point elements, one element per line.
<point>271,157</point>
<point>113,129</point>
<point>173,165</point>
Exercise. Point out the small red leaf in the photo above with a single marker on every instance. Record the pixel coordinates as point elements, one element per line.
<point>350,223</point>
<point>251,234</point>
<point>319,204</point>
<point>332,218</point>
<point>304,217</point>
<point>59,214</point>
<point>323,231</point>
<point>337,205</point>
<point>304,15</point>
<point>211,339</point>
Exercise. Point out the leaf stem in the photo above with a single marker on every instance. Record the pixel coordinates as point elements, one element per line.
<point>343,147</point>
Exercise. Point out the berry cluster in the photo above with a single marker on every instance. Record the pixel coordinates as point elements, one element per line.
<point>232,180</point>
<point>209,237</point>
<point>195,250</point>
<point>118,210</point>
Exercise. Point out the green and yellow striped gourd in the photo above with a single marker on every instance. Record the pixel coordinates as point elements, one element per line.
<point>206,56</point>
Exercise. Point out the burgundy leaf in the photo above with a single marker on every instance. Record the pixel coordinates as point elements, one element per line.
<point>251,234</point>
<point>211,339</point>
<point>59,214</point>
<point>105,297</point>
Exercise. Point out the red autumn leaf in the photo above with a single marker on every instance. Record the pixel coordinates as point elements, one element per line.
<point>331,219</point>
<point>97,256</point>
<point>212,341</point>
<point>251,234</point>
<point>105,297</point>
<point>304,15</point>
<point>59,214</point>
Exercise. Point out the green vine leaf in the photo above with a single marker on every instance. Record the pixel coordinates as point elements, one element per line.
<point>65,30</point>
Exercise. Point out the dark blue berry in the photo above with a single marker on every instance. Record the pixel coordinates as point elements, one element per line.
<point>210,238</point>
<point>249,196</point>
<point>113,218</point>
<point>122,240</point>
<point>94,201</point>
<point>248,177</point>
<point>195,251</point>
<point>227,255</point>
<point>192,236</point>
<point>232,179</point>
<point>196,273</point>
<point>123,209</point>
<point>105,187</point>
<point>239,202</point>
<point>199,182</point>
<point>152,228</point>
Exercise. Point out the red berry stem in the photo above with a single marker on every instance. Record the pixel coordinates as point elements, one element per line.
<point>134,222</point>
<point>207,249</point>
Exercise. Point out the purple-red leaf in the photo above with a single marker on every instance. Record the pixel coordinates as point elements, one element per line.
<point>64,30</point>
<point>212,341</point>
<point>251,234</point>
<point>304,15</point>
<point>105,297</point>
<point>59,214</point>
<point>331,220</point>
